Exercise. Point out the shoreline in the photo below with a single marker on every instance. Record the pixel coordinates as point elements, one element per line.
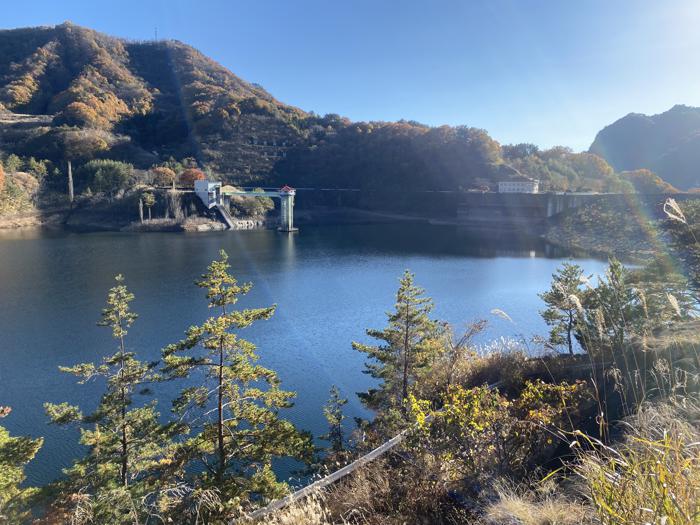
<point>91,220</point>
<point>82,220</point>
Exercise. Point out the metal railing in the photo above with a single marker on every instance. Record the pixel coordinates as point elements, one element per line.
<point>333,477</point>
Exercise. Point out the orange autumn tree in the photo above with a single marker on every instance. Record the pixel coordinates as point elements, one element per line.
<point>190,175</point>
<point>164,176</point>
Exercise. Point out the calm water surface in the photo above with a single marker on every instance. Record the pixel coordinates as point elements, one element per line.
<point>330,283</point>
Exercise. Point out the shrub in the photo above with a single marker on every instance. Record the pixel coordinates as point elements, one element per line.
<point>13,163</point>
<point>38,168</point>
<point>190,175</point>
<point>108,176</point>
<point>480,431</point>
<point>505,364</point>
<point>163,176</point>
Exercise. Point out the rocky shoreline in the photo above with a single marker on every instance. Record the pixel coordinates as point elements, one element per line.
<point>91,218</point>
<point>84,219</point>
<point>196,224</point>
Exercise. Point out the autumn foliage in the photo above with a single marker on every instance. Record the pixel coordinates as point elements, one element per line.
<point>163,176</point>
<point>2,178</point>
<point>190,175</point>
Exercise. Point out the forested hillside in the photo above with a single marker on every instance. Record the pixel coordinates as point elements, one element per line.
<point>411,156</point>
<point>667,143</point>
<point>145,100</point>
<point>68,93</point>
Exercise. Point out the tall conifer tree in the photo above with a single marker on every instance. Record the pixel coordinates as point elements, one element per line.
<point>124,441</point>
<point>233,413</point>
<point>408,344</point>
<point>333,412</point>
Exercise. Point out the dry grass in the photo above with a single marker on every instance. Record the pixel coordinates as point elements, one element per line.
<point>654,476</point>
<point>532,508</point>
<point>398,490</point>
<point>364,495</point>
<point>362,498</point>
<point>310,511</point>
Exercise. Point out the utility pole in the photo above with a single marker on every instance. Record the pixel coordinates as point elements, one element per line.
<point>70,182</point>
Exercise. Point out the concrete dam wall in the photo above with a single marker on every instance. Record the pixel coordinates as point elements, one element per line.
<point>532,212</point>
<point>518,210</point>
<point>514,212</point>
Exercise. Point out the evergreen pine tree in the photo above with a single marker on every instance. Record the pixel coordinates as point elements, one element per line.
<point>124,441</point>
<point>333,412</point>
<point>563,303</point>
<point>407,346</point>
<point>15,453</point>
<point>233,414</point>
<point>614,311</point>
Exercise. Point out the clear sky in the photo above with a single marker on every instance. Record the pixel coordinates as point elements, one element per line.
<point>547,72</point>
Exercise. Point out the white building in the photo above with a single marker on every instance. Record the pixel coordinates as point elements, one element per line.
<point>208,191</point>
<point>519,185</point>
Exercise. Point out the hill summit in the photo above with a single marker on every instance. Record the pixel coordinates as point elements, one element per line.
<point>164,96</point>
<point>667,143</point>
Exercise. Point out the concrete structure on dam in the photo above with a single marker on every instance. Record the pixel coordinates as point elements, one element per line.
<point>529,211</point>
<point>215,196</point>
<point>532,212</point>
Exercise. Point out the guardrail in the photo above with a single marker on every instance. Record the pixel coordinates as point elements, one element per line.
<point>333,477</point>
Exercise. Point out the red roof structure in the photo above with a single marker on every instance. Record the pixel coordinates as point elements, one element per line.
<point>287,189</point>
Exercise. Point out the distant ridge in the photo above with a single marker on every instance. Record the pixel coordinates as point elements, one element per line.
<point>667,143</point>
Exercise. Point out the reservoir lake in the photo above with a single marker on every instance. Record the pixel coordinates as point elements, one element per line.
<point>330,283</point>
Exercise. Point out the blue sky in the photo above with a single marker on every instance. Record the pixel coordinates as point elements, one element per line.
<point>548,72</point>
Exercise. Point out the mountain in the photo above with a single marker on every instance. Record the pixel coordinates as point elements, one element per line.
<point>667,143</point>
<point>71,93</point>
<point>162,97</point>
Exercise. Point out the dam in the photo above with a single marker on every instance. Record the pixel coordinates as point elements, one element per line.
<point>532,212</point>
<point>214,196</point>
<point>526,212</point>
